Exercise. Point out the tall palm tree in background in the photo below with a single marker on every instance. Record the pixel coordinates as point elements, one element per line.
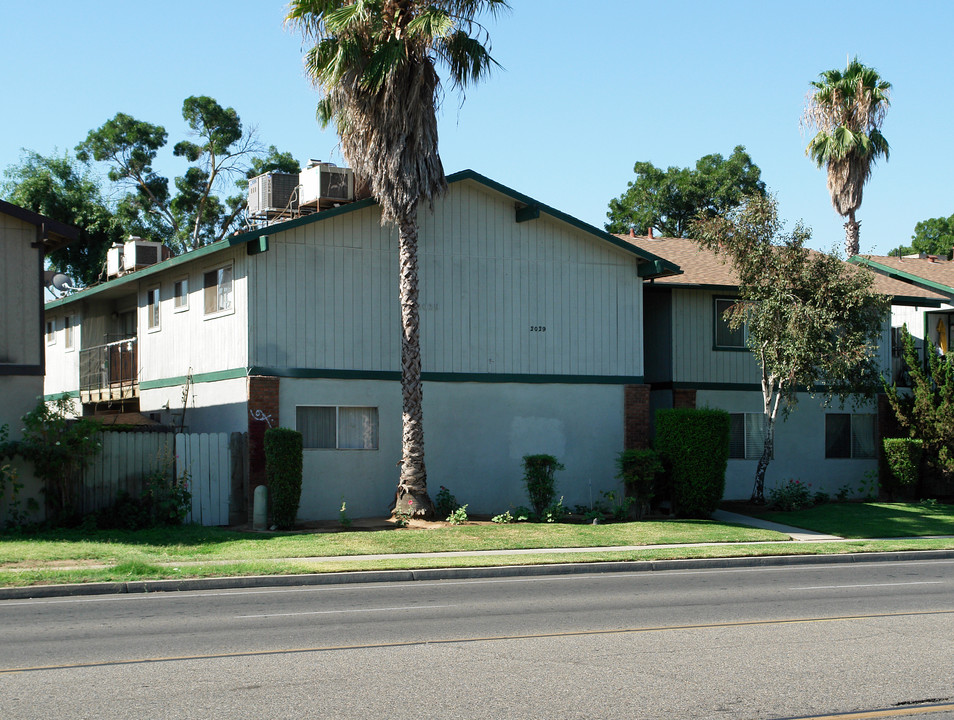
<point>375,62</point>
<point>848,108</point>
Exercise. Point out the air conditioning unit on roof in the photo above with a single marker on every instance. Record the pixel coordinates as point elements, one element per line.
<point>272,193</point>
<point>324,185</point>
<point>138,253</point>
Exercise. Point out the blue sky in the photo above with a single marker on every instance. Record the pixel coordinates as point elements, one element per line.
<point>585,92</point>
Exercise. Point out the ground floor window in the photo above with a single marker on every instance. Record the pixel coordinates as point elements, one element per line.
<point>338,427</point>
<point>746,435</point>
<point>849,436</point>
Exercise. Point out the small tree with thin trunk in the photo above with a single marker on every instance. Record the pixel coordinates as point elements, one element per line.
<point>812,322</point>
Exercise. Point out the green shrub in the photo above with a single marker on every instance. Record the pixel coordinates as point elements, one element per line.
<point>458,516</point>
<point>505,518</point>
<point>444,503</point>
<point>903,457</point>
<point>638,470</point>
<point>165,501</point>
<point>538,472</point>
<point>59,448</point>
<point>790,495</point>
<point>283,468</point>
<point>694,448</point>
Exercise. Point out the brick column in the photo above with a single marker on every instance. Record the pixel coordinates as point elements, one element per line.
<point>684,399</point>
<point>635,417</point>
<point>262,415</point>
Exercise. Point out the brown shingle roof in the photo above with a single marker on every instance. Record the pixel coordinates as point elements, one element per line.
<point>703,268</point>
<point>938,273</point>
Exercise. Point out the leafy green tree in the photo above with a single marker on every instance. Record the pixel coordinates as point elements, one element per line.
<point>670,200</point>
<point>848,109</point>
<point>927,412</point>
<point>813,322</point>
<point>58,187</point>
<point>194,215</point>
<point>934,236</point>
<point>376,64</point>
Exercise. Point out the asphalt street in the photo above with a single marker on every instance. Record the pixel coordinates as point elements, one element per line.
<point>758,642</point>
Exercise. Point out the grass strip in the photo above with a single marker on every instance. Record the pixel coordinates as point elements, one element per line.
<point>127,572</point>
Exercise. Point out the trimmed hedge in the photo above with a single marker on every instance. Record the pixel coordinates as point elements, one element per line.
<point>693,445</point>
<point>903,458</point>
<point>283,468</point>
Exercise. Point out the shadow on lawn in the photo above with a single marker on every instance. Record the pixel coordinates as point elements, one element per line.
<point>870,520</point>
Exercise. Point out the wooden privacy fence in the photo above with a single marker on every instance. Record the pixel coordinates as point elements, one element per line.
<point>214,464</point>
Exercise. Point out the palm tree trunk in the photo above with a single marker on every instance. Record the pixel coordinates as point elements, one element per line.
<point>411,497</point>
<point>852,235</point>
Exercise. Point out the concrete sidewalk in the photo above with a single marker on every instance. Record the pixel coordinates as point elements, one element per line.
<point>793,532</point>
<point>798,535</point>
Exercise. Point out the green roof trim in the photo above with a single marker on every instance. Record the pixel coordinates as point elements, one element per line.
<point>448,377</point>
<point>902,275</point>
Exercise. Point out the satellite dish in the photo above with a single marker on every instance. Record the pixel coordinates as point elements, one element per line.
<point>62,282</point>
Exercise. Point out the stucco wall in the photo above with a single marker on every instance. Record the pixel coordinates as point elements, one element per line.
<point>475,437</point>
<point>799,447</point>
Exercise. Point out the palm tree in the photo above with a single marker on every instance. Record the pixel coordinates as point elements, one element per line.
<point>375,62</point>
<point>848,108</point>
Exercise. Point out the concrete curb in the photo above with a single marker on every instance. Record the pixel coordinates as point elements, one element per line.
<point>506,571</point>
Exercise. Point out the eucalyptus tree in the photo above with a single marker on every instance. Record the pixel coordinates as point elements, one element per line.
<point>848,108</point>
<point>194,215</point>
<point>812,321</point>
<point>376,63</point>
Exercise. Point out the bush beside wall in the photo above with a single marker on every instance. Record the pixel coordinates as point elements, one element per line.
<point>694,447</point>
<point>283,468</point>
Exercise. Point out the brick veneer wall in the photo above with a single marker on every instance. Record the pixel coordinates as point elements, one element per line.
<point>684,399</point>
<point>635,417</point>
<point>262,415</point>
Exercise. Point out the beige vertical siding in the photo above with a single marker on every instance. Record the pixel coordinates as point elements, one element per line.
<point>189,341</point>
<point>694,358</point>
<point>325,295</point>
<point>19,293</point>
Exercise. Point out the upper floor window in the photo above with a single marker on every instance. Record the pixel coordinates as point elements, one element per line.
<point>152,308</point>
<point>50,332</point>
<point>725,336</point>
<point>180,295</point>
<point>69,327</point>
<point>849,436</point>
<point>217,290</point>
<point>342,428</point>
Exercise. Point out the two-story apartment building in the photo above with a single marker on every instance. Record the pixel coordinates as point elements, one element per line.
<point>532,342</point>
<point>693,359</point>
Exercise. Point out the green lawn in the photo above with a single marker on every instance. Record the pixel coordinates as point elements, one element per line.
<point>70,556</point>
<point>871,520</point>
<point>193,543</point>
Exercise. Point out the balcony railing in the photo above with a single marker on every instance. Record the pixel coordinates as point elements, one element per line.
<point>109,372</point>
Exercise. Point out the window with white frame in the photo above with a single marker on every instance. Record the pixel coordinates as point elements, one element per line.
<point>725,336</point>
<point>152,308</point>
<point>68,330</point>
<point>217,290</point>
<point>850,435</point>
<point>746,435</point>
<point>50,332</point>
<point>331,427</point>
<point>180,295</point>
